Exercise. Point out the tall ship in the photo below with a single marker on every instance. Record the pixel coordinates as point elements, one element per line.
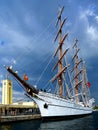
<point>72,96</point>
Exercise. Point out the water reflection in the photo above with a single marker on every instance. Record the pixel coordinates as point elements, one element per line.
<point>76,124</point>
<point>22,125</point>
<point>6,127</point>
<point>85,123</point>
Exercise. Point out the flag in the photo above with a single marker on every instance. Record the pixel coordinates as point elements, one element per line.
<point>25,77</point>
<point>88,84</point>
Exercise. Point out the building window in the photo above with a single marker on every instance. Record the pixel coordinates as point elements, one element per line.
<point>9,83</point>
<point>4,83</point>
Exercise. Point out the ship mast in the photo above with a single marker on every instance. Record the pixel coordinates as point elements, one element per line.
<point>86,92</point>
<point>59,50</point>
<point>76,69</point>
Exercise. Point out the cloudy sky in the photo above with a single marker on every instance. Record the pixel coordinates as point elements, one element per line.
<point>26,37</point>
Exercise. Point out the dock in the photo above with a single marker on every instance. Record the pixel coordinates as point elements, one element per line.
<point>13,113</point>
<point>6,119</point>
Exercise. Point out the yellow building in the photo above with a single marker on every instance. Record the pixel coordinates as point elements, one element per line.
<point>7,91</point>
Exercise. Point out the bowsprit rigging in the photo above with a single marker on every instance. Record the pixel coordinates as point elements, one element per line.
<point>78,102</point>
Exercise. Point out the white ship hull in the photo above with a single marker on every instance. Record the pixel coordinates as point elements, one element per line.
<point>52,106</point>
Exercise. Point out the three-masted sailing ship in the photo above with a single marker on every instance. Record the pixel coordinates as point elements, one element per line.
<point>77,101</point>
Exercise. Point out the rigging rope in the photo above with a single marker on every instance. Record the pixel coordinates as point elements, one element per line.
<point>41,63</point>
<point>44,71</point>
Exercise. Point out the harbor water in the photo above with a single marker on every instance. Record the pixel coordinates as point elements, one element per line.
<point>85,123</point>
